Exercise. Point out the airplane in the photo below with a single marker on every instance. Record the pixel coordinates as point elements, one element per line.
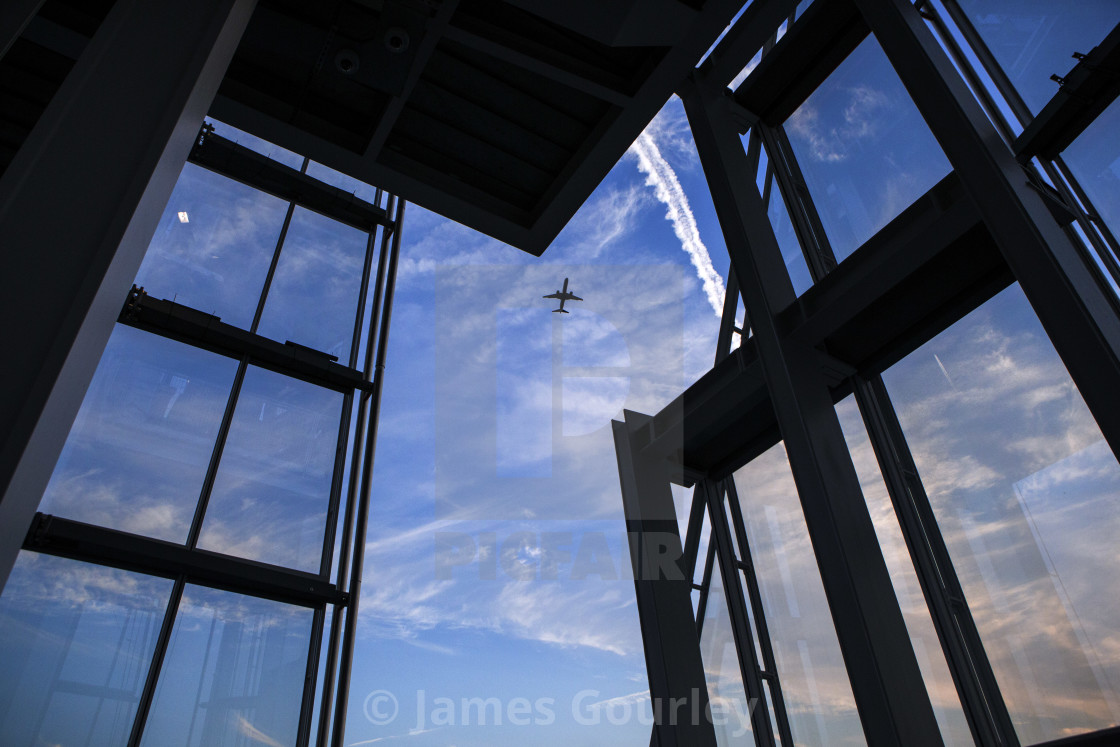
<point>563,295</point>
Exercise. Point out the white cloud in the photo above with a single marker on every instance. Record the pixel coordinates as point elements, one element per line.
<point>660,176</point>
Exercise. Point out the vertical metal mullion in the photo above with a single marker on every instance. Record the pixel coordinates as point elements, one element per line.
<point>331,521</point>
<point>991,66</point>
<point>749,667</point>
<point>216,454</point>
<point>356,469</point>
<point>975,681</point>
<point>1097,231</point>
<point>275,258</point>
<point>348,405</point>
<point>158,654</point>
<point>727,318</point>
<point>307,703</point>
<point>754,594</point>
<point>362,515</point>
<point>705,585</point>
<point>967,69</point>
<point>807,224</point>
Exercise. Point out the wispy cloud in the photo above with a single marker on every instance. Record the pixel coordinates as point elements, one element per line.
<point>246,728</point>
<point>410,733</point>
<point>660,176</point>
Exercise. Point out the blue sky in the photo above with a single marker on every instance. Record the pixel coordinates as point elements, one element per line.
<point>477,458</point>
<point>496,578</point>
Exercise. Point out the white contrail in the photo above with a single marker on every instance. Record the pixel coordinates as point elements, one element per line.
<point>660,176</point>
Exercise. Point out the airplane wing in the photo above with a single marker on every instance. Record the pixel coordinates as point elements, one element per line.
<point>574,297</point>
<point>553,295</point>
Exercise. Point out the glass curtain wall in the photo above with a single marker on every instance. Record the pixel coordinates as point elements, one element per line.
<point>221,454</point>
<point>994,443</point>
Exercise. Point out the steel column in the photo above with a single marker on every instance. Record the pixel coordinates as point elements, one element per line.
<point>78,206</point>
<point>887,684</point>
<point>674,664</point>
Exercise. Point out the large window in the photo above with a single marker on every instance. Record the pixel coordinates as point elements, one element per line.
<point>1027,494</point>
<point>818,696</point>
<point>208,458</point>
<point>864,149</point>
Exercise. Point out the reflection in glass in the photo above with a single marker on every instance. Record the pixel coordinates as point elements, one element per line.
<point>1027,494</point>
<point>1094,159</point>
<point>76,642</point>
<point>271,492</point>
<point>213,246</point>
<point>314,294</point>
<point>927,647</point>
<point>730,714</point>
<point>1034,39</point>
<point>523,393</point>
<point>815,685</point>
<point>233,673</point>
<point>864,149</point>
<point>138,451</point>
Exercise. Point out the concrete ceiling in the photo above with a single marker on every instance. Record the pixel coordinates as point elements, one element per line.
<point>501,115</point>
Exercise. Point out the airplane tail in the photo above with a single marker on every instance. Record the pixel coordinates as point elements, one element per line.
<point>560,311</point>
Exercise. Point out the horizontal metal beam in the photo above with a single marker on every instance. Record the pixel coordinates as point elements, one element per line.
<point>1085,92</point>
<point>787,74</point>
<point>930,266</point>
<point>761,19</point>
<point>225,157</point>
<point>209,332</point>
<point>72,539</point>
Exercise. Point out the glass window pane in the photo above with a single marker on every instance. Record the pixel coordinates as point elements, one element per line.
<point>1094,158</point>
<point>76,642</point>
<point>233,673</point>
<point>138,450</point>
<point>270,495</point>
<point>1027,494</point>
<point>213,246</point>
<point>815,685</point>
<point>864,149</point>
<point>314,294</point>
<point>787,240</point>
<point>728,698</point>
<point>927,647</point>
<point>1034,39</point>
